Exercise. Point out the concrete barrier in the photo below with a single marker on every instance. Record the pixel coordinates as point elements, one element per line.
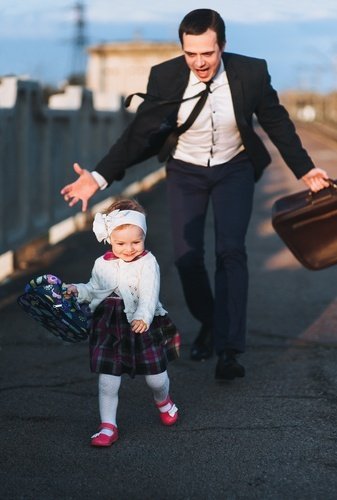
<point>39,143</point>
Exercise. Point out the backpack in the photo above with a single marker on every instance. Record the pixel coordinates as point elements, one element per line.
<point>44,300</point>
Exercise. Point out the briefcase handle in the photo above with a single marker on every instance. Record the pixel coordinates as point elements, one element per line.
<point>333,183</point>
<point>323,194</point>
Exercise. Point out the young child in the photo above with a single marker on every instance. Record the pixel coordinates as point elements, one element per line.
<point>131,332</point>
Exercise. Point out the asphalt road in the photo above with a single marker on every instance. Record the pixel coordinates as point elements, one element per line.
<point>271,435</point>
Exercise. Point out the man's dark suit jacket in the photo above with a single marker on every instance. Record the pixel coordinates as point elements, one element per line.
<point>252,95</point>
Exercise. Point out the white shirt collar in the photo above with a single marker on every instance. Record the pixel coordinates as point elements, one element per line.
<point>219,79</point>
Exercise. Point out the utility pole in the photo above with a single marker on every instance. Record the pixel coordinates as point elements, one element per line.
<point>80,41</point>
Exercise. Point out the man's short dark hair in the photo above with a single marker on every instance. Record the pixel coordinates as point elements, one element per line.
<point>199,21</point>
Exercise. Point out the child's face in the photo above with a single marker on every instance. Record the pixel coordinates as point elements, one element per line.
<point>128,242</point>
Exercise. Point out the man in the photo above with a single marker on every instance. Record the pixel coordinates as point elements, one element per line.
<point>216,158</point>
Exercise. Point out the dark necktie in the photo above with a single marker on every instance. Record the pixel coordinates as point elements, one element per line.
<point>172,138</point>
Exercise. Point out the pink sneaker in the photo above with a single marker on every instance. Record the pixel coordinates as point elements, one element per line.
<point>101,439</point>
<point>168,417</point>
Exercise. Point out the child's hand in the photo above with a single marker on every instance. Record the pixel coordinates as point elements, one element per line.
<point>70,290</point>
<point>138,326</point>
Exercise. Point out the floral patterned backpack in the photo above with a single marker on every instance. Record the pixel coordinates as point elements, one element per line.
<point>44,300</point>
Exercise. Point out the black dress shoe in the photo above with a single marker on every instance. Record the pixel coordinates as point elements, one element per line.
<point>228,368</point>
<point>202,347</point>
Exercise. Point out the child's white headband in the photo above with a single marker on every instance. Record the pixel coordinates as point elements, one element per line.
<point>104,224</point>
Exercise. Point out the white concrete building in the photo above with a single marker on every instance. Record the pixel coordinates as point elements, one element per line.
<point>121,68</point>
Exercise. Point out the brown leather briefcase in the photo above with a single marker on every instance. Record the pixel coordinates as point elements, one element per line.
<point>307,224</point>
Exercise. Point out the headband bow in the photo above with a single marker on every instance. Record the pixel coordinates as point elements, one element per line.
<point>104,224</point>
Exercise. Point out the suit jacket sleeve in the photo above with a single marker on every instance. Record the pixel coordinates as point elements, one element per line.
<point>275,120</point>
<point>135,144</point>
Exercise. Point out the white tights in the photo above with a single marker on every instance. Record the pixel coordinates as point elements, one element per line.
<point>108,387</point>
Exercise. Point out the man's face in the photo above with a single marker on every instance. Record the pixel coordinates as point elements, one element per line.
<point>202,54</point>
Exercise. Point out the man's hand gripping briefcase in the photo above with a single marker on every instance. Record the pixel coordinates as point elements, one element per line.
<point>307,223</point>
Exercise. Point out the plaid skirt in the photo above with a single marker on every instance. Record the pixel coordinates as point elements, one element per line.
<point>116,349</point>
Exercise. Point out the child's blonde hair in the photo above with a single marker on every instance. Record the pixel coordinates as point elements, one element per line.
<point>124,204</point>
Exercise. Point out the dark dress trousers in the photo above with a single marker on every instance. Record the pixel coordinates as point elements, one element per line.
<point>228,187</point>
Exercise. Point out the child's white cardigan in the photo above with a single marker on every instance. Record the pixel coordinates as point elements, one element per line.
<point>136,282</point>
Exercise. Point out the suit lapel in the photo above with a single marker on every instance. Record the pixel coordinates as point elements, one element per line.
<point>235,86</point>
<point>179,84</point>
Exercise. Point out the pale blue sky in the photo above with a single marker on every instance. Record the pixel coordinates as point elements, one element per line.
<point>298,38</point>
<point>27,14</point>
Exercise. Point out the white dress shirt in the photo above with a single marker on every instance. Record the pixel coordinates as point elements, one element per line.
<point>214,137</point>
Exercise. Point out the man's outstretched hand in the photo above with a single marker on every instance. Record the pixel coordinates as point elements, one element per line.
<point>82,189</point>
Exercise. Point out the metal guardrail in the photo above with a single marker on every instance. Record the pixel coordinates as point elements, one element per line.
<point>38,146</point>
